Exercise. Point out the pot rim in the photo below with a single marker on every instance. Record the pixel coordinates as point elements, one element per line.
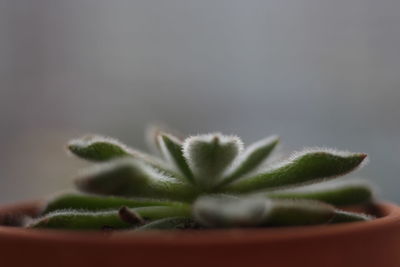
<point>390,219</point>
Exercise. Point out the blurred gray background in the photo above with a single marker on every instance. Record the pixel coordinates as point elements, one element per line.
<point>317,72</point>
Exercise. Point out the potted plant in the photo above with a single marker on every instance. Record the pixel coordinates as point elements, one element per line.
<point>206,201</point>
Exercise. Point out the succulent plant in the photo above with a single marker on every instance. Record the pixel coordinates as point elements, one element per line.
<point>204,181</point>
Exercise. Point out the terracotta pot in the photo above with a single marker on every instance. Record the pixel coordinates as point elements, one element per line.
<point>368,244</point>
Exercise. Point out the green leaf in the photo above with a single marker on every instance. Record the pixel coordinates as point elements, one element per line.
<point>289,212</point>
<point>96,203</point>
<point>210,155</point>
<point>228,211</point>
<point>174,223</point>
<point>251,158</point>
<point>171,148</point>
<point>345,216</point>
<point>79,220</point>
<point>305,167</point>
<point>74,220</point>
<point>154,130</point>
<point>156,213</point>
<point>130,178</point>
<point>338,194</point>
<point>98,148</point>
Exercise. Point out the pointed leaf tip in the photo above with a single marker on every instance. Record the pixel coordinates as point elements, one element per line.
<point>152,132</point>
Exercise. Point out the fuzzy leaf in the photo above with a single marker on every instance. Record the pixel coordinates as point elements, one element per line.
<point>153,131</point>
<point>171,148</point>
<point>127,177</point>
<point>288,212</point>
<point>251,158</point>
<point>338,194</point>
<point>156,213</point>
<point>97,203</point>
<point>229,211</point>
<point>305,167</point>
<point>209,155</point>
<point>74,220</point>
<point>79,220</point>
<point>173,223</point>
<point>345,216</point>
<point>98,148</point>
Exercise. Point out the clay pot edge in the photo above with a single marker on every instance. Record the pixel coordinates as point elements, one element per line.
<point>389,220</point>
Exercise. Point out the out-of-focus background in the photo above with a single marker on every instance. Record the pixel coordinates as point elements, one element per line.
<point>317,72</point>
